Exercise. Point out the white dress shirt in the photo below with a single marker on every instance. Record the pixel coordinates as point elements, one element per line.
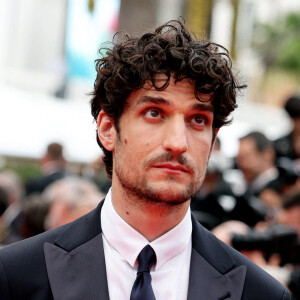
<point>122,245</point>
<point>262,179</point>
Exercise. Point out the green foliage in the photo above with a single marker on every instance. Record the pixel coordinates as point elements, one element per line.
<point>279,43</point>
<point>27,172</point>
<point>25,169</point>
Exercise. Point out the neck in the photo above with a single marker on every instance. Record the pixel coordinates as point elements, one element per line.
<point>150,219</point>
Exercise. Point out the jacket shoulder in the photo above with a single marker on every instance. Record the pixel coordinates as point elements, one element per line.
<point>258,284</point>
<point>22,264</point>
<point>23,268</point>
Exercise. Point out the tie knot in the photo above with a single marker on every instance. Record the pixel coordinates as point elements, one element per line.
<point>146,259</point>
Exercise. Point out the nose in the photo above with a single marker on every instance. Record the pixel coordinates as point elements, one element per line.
<point>175,139</point>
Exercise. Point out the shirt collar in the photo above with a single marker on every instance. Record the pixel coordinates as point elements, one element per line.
<point>129,243</point>
<point>264,178</point>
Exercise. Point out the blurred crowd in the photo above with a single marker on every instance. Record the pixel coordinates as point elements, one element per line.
<point>55,198</point>
<point>251,201</point>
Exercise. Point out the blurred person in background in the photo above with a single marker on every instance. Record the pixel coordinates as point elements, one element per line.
<point>69,199</point>
<point>289,215</point>
<point>34,212</point>
<point>53,167</point>
<point>274,193</point>
<point>216,201</point>
<point>96,172</point>
<point>3,201</point>
<point>275,248</point>
<point>256,160</point>
<point>12,216</point>
<point>3,207</point>
<point>159,102</point>
<point>215,197</point>
<point>262,247</point>
<point>288,146</point>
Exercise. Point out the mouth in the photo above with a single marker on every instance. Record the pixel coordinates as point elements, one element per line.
<point>172,168</point>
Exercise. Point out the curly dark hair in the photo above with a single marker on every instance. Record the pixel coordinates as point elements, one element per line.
<point>170,50</point>
<point>292,106</point>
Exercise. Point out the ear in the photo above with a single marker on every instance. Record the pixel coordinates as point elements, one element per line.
<point>106,131</point>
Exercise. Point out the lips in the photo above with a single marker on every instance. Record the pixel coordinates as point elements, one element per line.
<point>172,168</point>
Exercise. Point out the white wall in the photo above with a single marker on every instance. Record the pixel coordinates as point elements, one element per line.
<point>32,43</point>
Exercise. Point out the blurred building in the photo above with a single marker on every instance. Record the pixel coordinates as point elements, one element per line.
<point>42,40</point>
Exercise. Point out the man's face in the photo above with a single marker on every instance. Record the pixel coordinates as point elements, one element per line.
<point>249,159</point>
<point>164,142</point>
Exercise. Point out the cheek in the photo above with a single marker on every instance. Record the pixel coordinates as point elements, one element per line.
<point>144,142</point>
<point>200,148</point>
<point>133,149</point>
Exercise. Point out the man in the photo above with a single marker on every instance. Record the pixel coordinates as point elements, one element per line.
<point>11,183</point>
<point>53,168</point>
<point>289,215</point>
<point>3,207</point>
<point>212,204</point>
<point>159,102</point>
<point>69,198</point>
<point>288,146</point>
<point>255,159</point>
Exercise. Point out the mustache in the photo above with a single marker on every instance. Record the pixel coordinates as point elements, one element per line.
<point>169,157</point>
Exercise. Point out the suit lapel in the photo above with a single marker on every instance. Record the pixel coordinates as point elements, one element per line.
<point>207,283</point>
<point>212,272</point>
<point>79,274</point>
<point>75,263</point>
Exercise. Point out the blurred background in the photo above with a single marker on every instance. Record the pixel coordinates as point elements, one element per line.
<point>51,170</point>
<point>48,48</point>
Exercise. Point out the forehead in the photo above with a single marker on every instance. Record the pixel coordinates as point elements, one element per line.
<point>247,144</point>
<point>181,91</point>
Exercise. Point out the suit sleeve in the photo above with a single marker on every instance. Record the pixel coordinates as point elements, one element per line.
<point>286,295</point>
<point>4,287</point>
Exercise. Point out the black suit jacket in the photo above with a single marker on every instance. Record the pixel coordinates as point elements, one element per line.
<point>68,263</point>
<point>38,185</point>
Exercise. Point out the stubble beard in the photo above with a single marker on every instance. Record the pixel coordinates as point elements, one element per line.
<point>143,191</point>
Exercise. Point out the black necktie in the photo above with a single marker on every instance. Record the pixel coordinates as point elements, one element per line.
<point>142,289</point>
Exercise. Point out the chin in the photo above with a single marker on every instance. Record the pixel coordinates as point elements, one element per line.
<point>170,193</point>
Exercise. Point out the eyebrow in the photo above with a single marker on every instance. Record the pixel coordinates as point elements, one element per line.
<point>160,100</point>
<point>151,99</point>
<point>203,106</point>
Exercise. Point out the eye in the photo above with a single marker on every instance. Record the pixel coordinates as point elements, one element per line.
<point>199,120</point>
<point>152,113</point>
